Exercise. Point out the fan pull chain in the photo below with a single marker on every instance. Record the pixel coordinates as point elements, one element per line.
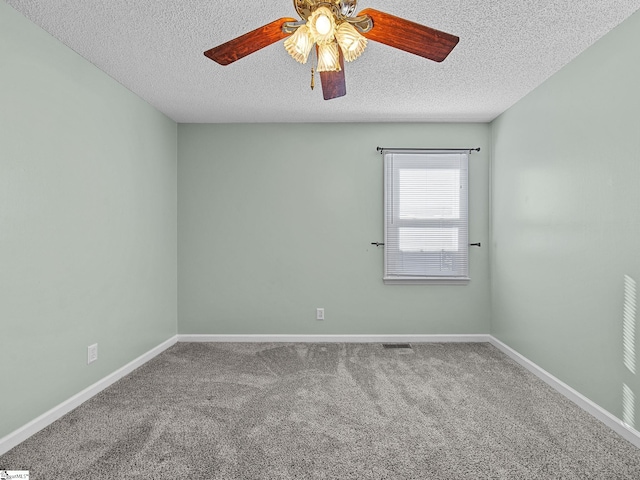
<point>313,79</point>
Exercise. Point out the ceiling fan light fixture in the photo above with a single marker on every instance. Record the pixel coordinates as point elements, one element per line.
<point>322,25</point>
<point>339,35</point>
<point>328,57</point>
<point>299,44</point>
<point>351,41</point>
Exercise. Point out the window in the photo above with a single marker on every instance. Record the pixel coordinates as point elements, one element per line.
<point>426,221</point>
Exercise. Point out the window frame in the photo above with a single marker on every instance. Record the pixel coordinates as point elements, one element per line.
<point>394,161</point>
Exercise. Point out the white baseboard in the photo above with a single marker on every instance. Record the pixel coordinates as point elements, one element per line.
<point>611,421</point>
<point>20,435</point>
<point>337,338</point>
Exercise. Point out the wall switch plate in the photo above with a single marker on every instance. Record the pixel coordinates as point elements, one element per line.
<point>319,313</point>
<point>92,353</point>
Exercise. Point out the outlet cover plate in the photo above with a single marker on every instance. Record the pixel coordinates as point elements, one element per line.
<point>92,353</point>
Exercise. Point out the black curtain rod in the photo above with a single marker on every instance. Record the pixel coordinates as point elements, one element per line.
<point>380,149</point>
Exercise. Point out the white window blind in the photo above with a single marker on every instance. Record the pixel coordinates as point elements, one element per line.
<point>426,217</point>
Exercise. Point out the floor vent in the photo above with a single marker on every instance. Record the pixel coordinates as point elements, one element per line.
<point>396,345</point>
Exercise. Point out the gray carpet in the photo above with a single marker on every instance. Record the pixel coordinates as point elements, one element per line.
<point>327,411</point>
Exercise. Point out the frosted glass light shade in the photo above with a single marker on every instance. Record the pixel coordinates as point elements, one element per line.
<point>328,57</point>
<point>299,44</point>
<point>351,41</point>
<point>322,25</point>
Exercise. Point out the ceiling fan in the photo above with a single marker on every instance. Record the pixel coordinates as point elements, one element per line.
<point>338,35</point>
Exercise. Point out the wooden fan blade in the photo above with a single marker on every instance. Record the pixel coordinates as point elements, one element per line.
<point>249,42</point>
<point>333,83</point>
<point>409,36</point>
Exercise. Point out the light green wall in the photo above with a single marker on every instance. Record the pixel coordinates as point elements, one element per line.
<point>87,223</point>
<point>566,219</point>
<point>276,220</point>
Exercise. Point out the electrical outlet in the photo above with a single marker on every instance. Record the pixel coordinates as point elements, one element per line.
<point>319,313</point>
<point>92,353</point>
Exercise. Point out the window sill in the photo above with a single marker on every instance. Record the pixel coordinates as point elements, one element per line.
<point>426,280</point>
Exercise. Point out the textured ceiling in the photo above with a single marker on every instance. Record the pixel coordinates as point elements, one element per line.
<point>155,48</point>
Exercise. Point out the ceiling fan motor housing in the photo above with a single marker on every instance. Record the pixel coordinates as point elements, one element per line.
<point>342,8</point>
